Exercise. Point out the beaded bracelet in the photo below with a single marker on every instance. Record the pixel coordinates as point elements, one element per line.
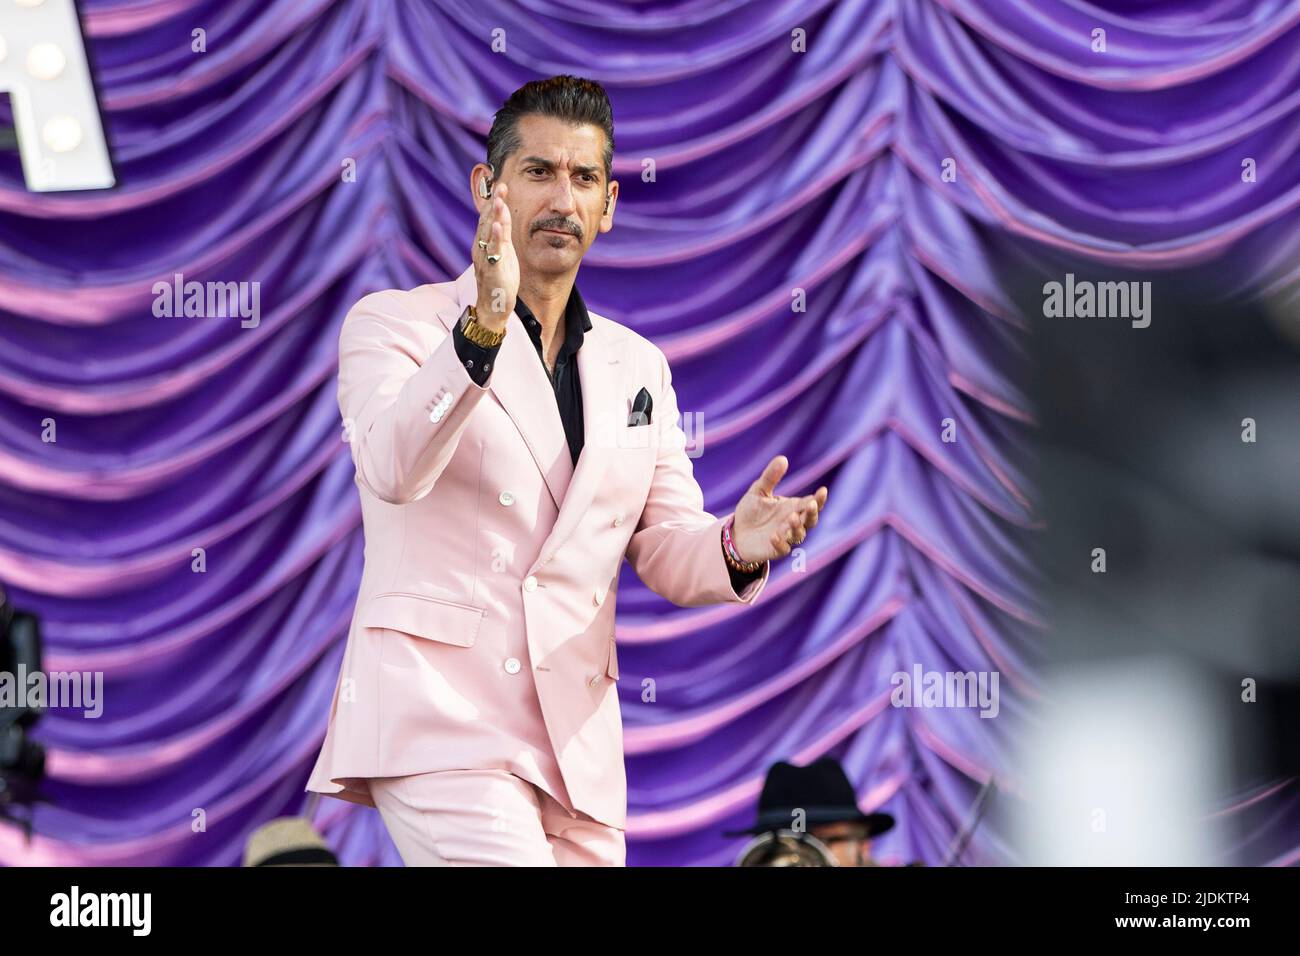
<point>729,552</point>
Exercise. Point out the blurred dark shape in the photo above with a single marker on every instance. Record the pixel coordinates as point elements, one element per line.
<point>816,794</point>
<point>22,760</point>
<point>1141,453</point>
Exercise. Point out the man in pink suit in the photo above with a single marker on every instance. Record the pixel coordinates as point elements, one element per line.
<point>511,448</point>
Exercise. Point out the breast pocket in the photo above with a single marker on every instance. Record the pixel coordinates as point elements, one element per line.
<point>422,616</point>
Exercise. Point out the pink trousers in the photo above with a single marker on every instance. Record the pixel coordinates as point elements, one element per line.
<point>488,818</point>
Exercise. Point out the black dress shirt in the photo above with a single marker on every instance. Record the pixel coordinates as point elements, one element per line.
<point>478,361</point>
<point>565,383</point>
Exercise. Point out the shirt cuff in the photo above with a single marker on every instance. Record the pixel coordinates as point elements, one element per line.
<point>477,359</point>
<point>741,580</point>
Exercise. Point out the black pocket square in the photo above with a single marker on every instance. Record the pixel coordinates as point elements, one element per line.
<point>641,406</point>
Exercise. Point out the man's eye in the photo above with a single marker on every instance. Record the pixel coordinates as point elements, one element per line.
<point>589,177</point>
<point>537,169</point>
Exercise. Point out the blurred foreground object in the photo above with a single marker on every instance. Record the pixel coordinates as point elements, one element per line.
<point>785,848</point>
<point>819,801</point>
<point>1169,460</point>
<point>288,841</point>
<point>22,760</point>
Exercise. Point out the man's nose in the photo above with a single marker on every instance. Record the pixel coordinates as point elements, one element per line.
<point>562,198</point>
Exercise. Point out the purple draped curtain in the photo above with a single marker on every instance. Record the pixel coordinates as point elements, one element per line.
<point>872,170</point>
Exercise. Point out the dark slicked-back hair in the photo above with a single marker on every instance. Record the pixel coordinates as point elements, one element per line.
<point>570,98</point>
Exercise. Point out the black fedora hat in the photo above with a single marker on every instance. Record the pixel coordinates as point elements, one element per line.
<point>821,791</point>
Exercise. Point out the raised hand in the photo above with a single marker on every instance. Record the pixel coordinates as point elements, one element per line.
<point>498,282</point>
<point>769,525</point>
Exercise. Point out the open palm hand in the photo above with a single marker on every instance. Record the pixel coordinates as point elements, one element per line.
<point>769,525</point>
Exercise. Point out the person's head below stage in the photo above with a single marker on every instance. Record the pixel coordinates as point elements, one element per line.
<point>809,816</point>
<point>552,145</point>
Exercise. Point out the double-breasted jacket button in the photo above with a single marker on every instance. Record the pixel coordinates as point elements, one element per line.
<point>512,665</point>
<point>530,583</point>
<point>506,498</point>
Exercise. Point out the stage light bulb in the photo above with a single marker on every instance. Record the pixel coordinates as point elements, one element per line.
<point>45,61</point>
<point>62,134</point>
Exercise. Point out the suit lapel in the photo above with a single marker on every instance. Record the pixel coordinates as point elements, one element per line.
<point>604,410</point>
<point>520,384</point>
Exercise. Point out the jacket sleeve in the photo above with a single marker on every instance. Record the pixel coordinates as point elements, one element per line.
<point>677,546</point>
<point>403,408</point>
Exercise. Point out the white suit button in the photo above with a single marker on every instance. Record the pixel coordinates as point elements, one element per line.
<point>530,583</point>
<point>618,521</point>
<point>440,409</point>
<point>512,665</point>
<point>506,498</point>
<point>594,681</point>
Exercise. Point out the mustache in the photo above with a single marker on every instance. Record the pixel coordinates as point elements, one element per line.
<point>559,225</point>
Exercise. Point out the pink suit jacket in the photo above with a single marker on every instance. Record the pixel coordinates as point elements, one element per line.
<point>483,634</point>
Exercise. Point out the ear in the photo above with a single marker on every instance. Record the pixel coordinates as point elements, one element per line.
<point>607,218</point>
<point>480,182</point>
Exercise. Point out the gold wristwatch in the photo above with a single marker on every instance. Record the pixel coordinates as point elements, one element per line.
<point>477,333</point>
